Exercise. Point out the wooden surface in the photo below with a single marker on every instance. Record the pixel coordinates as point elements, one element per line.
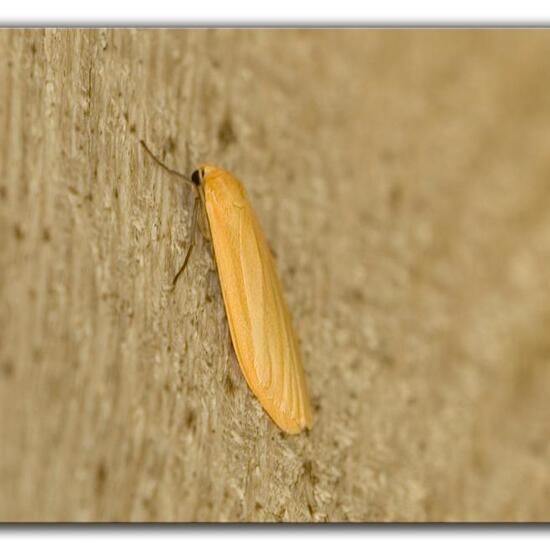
<point>402,179</point>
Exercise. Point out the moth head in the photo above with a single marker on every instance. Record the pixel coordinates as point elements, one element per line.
<point>205,172</point>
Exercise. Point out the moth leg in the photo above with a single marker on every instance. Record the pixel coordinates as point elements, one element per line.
<point>204,228</point>
<point>192,232</point>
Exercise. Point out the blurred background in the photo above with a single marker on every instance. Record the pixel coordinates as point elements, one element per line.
<point>402,180</point>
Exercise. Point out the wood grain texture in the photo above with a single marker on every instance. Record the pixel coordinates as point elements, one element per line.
<point>401,178</point>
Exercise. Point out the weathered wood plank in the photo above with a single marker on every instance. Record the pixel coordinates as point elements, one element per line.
<point>402,180</point>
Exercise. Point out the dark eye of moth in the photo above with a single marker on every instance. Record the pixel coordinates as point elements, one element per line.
<point>196,176</point>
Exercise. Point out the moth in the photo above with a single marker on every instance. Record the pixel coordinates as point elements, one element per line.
<point>259,321</point>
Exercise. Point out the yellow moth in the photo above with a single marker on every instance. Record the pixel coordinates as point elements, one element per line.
<point>259,322</point>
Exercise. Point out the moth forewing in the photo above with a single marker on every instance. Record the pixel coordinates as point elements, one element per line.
<point>260,324</point>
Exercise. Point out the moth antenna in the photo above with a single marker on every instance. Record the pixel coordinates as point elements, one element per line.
<point>162,165</point>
